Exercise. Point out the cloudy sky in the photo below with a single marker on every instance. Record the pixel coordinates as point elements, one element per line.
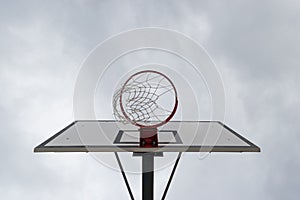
<point>255,45</point>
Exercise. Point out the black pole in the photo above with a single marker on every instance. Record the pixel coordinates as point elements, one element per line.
<point>148,176</point>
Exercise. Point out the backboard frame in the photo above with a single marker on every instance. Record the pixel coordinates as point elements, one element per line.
<point>133,148</point>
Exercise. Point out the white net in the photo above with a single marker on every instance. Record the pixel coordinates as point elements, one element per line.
<point>147,98</point>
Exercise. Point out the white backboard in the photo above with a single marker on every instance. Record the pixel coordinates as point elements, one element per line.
<point>175,136</point>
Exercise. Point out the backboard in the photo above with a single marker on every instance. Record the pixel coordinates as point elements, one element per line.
<point>175,136</point>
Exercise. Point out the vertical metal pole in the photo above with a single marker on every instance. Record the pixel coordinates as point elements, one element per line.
<point>148,176</point>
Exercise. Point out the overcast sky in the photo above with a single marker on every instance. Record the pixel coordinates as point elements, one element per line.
<point>255,45</point>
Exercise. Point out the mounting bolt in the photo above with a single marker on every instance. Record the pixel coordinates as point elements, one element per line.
<point>143,143</point>
<point>153,143</point>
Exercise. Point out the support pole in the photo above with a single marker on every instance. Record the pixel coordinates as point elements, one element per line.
<point>147,176</point>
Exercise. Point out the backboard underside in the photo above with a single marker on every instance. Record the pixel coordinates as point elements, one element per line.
<point>175,136</point>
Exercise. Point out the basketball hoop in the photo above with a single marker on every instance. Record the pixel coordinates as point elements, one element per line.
<point>148,99</point>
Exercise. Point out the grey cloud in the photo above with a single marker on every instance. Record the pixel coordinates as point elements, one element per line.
<point>256,48</point>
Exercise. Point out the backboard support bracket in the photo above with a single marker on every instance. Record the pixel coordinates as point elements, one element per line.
<point>148,174</point>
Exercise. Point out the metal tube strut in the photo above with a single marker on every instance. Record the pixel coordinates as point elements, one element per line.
<point>124,176</point>
<point>171,177</point>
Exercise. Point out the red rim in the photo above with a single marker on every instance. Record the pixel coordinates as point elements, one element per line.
<point>156,125</point>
